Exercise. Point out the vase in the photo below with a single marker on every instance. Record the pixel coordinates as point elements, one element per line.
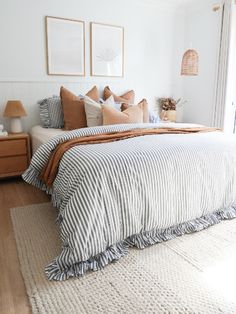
<point>168,115</point>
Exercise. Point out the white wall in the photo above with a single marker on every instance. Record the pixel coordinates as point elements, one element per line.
<point>200,31</point>
<point>179,46</point>
<point>149,29</point>
<point>230,108</point>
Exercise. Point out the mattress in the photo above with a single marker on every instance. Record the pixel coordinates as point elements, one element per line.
<point>40,135</point>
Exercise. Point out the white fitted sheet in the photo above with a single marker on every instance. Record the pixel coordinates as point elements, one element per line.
<point>40,135</point>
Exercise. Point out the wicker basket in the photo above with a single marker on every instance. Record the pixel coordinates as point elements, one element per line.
<point>190,63</point>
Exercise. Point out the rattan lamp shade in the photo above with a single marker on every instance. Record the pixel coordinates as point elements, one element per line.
<point>190,63</point>
<point>14,108</point>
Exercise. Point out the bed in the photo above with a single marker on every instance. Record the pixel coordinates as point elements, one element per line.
<point>134,192</point>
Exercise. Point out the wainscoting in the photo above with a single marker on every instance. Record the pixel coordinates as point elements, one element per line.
<point>29,92</point>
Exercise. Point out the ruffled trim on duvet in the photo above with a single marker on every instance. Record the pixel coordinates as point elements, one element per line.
<point>31,176</point>
<point>113,253</point>
<point>140,241</point>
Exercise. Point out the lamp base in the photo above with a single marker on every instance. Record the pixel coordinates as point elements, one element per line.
<point>15,125</point>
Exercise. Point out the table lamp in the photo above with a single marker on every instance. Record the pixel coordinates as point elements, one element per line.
<point>15,110</point>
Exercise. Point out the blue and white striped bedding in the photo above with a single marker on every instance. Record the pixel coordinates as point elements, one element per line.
<point>135,192</point>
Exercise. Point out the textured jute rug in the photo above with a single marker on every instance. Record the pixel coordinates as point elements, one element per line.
<point>192,274</point>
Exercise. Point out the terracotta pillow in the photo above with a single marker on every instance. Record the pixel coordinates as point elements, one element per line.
<point>128,97</point>
<point>93,93</point>
<point>134,114</point>
<point>124,106</point>
<point>73,108</point>
<point>145,106</point>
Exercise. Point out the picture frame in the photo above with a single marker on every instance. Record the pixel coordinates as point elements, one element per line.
<point>106,50</point>
<point>65,45</point>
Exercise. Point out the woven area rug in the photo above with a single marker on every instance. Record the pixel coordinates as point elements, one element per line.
<point>192,274</point>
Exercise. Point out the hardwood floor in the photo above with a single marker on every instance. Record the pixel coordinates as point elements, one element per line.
<point>13,193</point>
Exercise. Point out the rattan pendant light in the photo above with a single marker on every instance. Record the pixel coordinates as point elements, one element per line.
<point>190,63</point>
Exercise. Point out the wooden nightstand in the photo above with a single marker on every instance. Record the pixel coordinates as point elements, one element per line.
<point>14,154</point>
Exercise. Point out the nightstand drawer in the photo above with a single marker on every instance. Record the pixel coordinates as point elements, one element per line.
<point>13,164</point>
<point>13,147</point>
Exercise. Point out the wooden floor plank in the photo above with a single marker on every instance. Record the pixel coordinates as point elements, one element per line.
<point>13,193</point>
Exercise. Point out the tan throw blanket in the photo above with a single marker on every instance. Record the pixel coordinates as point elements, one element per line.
<point>50,171</point>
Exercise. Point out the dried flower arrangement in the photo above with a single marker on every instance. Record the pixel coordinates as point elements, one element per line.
<point>168,103</point>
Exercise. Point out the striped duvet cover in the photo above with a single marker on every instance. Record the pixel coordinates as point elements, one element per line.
<point>135,192</point>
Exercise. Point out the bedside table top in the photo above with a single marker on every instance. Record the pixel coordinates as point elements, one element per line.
<point>14,136</point>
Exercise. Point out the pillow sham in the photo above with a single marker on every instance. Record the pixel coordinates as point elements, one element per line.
<point>152,117</point>
<point>73,108</point>
<point>128,97</point>
<point>51,114</point>
<point>93,110</point>
<point>145,109</point>
<point>134,114</point>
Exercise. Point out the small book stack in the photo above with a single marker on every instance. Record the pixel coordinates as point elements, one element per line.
<point>2,133</point>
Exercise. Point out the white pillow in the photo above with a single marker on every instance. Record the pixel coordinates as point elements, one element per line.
<point>93,110</point>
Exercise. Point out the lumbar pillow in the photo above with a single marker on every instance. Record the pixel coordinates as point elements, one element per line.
<point>51,113</point>
<point>134,114</point>
<point>128,97</point>
<point>73,108</point>
<point>93,110</point>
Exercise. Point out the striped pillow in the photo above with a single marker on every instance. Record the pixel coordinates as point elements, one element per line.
<point>51,113</point>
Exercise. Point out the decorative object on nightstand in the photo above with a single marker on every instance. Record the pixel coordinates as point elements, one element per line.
<point>2,132</point>
<point>14,154</point>
<point>15,110</point>
<point>168,108</point>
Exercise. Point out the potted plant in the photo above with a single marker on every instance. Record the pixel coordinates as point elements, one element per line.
<point>168,108</point>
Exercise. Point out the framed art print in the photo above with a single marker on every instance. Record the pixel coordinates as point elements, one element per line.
<point>107,50</point>
<point>65,46</point>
